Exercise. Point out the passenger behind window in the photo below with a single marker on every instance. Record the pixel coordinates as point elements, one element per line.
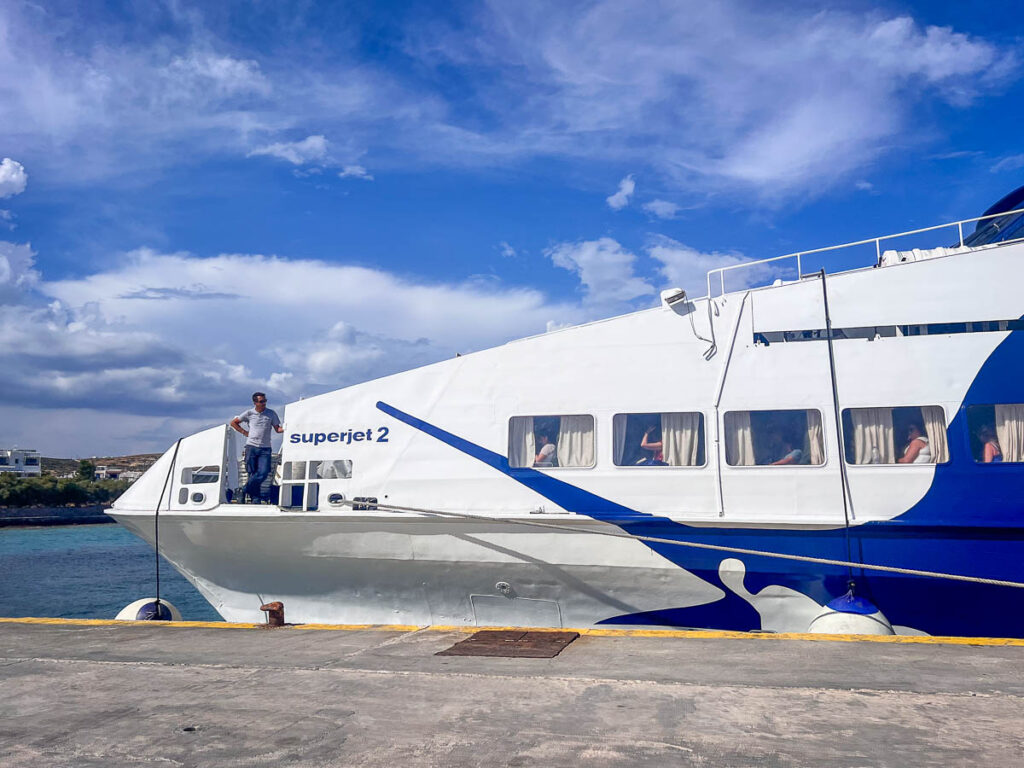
<point>787,453</point>
<point>652,442</point>
<point>991,453</point>
<point>546,454</point>
<point>774,438</point>
<point>876,435</point>
<point>917,451</point>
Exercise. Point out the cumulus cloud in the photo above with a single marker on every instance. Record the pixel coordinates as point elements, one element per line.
<point>182,336</point>
<point>685,267</point>
<point>16,270</point>
<point>663,209</point>
<point>355,172</point>
<point>605,269</point>
<point>620,199</point>
<point>13,178</point>
<point>310,150</point>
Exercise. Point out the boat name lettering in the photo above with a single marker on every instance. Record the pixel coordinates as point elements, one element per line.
<point>371,435</point>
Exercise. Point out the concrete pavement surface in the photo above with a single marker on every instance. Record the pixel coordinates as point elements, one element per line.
<point>113,695</point>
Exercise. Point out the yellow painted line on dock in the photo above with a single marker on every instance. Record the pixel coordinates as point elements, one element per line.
<point>206,624</point>
<point>691,634</point>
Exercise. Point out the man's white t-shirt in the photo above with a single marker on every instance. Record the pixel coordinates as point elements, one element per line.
<point>545,453</point>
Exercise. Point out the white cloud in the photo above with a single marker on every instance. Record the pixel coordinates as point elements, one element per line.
<point>311,149</point>
<point>553,326</point>
<point>620,199</point>
<point>864,185</point>
<point>663,209</point>
<point>355,172</point>
<point>161,332</point>
<point>726,96</point>
<point>1010,163</point>
<point>186,296</point>
<point>13,178</point>
<point>719,96</point>
<point>49,430</point>
<point>16,270</point>
<point>506,250</point>
<point>605,269</point>
<point>224,75</point>
<point>685,267</point>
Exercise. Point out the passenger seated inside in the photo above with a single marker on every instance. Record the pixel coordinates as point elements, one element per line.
<point>917,451</point>
<point>787,453</point>
<point>546,452</point>
<point>991,453</point>
<point>655,447</point>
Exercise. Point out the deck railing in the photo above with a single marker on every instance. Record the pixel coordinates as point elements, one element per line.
<point>759,268</point>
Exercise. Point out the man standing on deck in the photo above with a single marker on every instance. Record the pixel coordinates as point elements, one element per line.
<point>260,420</point>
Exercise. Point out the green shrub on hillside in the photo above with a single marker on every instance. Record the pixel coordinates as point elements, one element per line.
<point>56,492</point>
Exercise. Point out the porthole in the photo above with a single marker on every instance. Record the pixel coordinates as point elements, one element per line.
<point>183,496</point>
<point>198,497</point>
<point>336,499</point>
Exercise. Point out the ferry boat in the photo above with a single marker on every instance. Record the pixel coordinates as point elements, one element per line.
<point>842,421</point>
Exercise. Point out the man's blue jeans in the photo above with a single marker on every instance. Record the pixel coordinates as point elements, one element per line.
<point>257,464</point>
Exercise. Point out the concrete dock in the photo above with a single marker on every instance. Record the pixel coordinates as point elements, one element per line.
<point>102,694</point>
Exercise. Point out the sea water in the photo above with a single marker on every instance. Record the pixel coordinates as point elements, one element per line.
<point>86,572</point>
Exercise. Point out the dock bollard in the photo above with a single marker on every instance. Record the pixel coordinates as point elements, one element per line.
<point>275,613</point>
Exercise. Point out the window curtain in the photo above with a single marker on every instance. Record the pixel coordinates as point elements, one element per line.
<point>619,437</point>
<point>872,431</point>
<point>815,443</point>
<point>1010,431</point>
<point>739,443</point>
<point>680,436</point>
<point>935,429</point>
<point>522,445</point>
<point>575,441</point>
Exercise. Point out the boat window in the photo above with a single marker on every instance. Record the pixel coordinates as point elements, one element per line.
<point>293,470</point>
<point>548,442</point>
<point>300,487</point>
<point>997,433</point>
<point>774,438</point>
<point>905,435</point>
<point>196,475</point>
<point>337,468</point>
<point>674,439</point>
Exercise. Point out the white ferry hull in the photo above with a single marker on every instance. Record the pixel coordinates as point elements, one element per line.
<point>388,569</point>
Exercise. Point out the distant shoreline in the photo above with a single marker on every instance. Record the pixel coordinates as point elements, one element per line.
<point>91,514</point>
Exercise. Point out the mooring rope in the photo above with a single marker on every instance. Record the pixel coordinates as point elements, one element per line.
<point>698,545</point>
<point>156,523</point>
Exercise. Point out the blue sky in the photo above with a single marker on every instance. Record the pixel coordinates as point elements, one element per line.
<point>199,200</point>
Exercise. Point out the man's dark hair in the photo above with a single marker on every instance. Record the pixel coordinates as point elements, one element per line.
<point>258,394</point>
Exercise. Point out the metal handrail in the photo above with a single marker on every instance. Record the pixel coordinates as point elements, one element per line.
<point>720,271</point>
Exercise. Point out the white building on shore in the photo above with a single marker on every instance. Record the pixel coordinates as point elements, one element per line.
<point>23,462</point>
